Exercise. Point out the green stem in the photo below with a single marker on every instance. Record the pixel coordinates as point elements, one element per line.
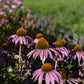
<point>42,61</point>
<point>55,64</point>
<point>79,70</point>
<point>20,58</point>
<point>41,82</point>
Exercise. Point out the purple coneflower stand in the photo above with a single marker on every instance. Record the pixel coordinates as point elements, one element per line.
<point>60,50</point>
<point>79,54</point>
<point>21,37</point>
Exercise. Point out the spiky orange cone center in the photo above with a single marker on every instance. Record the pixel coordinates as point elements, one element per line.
<point>78,48</point>
<point>46,67</point>
<point>42,44</point>
<point>65,74</point>
<point>58,44</point>
<point>39,35</point>
<point>21,32</point>
<point>64,42</point>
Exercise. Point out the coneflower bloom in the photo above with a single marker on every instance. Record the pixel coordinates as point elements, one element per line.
<point>78,53</point>
<point>30,9</point>
<point>42,49</point>
<point>21,37</point>
<point>13,6</point>
<point>38,36</point>
<point>19,2</point>
<point>61,49</point>
<point>4,48</point>
<point>64,42</point>
<point>67,79</point>
<point>2,11</point>
<point>48,73</point>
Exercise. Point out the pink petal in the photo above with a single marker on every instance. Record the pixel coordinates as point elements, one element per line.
<point>57,73</point>
<point>17,40</point>
<point>34,55</point>
<point>21,40</point>
<point>52,78</point>
<point>30,53</point>
<point>41,55</point>
<point>50,55</point>
<point>14,39</point>
<point>13,36</point>
<point>36,72</point>
<point>38,53</point>
<point>24,40</point>
<point>40,78</point>
<point>55,77</point>
<point>47,78</point>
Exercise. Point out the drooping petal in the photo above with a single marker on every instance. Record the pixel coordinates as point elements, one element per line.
<point>51,78</point>
<point>50,55</point>
<point>13,36</point>
<point>24,41</point>
<point>30,53</point>
<point>20,40</point>
<point>38,53</point>
<point>36,72</point>
<point>55,77</point>
<point>14,39</point>
<point>40,77</point>
<point>17,40</point>
<point>47,78</point>
<point>41,55</point>
<point>57,73</point>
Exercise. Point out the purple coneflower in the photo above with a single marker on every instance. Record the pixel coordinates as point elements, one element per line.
<point>4,48</point>
<point>42,49</point>
<point>38,36</point>
<point>51,76</point>
<point>21,6</point>
<point>19,2</point>
<point>21,37</point>
<point>61,49</point>
<point>30,9</point>
<point>2,11</point>
<point>67,79</point>
<point>78,53</point>
<point>11,10</point>
<point>13,6</point>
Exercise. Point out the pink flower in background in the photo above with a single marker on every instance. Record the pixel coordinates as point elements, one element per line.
<point>1,1</point>
<point>21,37</point>
<point>13,6</point>
<point>19,2</point>
<point>0,25</point>
<point>8,1</point>
<point>11,10</point>
<point>30,9</point>
<point>48,73</point>
<point>2,11</point>
<point>6,6</point>
<point>21,6</point>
